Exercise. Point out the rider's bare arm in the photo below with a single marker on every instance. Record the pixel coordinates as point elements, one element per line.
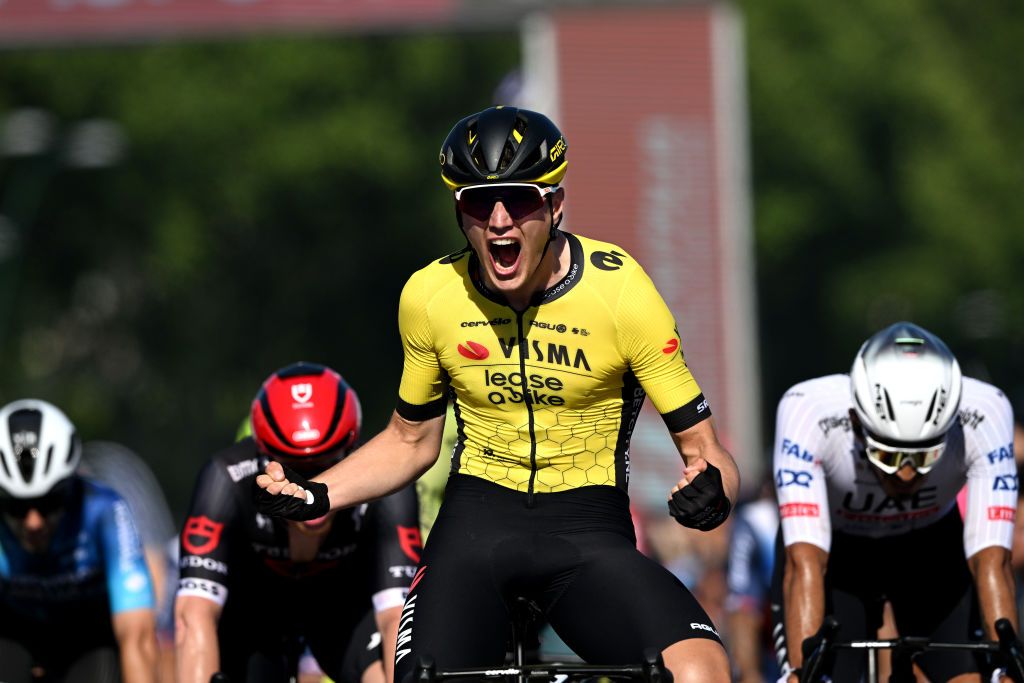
<point>803,594</point>
<point>387,626</point>
<point>993,576</point>
<point>195,638</point>
<point>393,458</point>
<point>135,631</point>
<point>699,444</point>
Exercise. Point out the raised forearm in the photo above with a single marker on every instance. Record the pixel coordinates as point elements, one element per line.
<point>392,459</point>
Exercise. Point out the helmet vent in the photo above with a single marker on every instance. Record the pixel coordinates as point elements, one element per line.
<point>478,160</point>
<point>931,406</point>
<point>532,159</point>
<point>49,461</point>
<point>456,163</point>
<point>3,463</point>
<point>888,405</point>
<point>507,153</point>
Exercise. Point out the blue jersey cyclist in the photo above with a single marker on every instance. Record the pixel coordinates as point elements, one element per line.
<point>76,599</point>
<point>547,343</point>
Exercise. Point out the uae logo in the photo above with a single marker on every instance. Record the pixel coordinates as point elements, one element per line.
<point>302,392</point>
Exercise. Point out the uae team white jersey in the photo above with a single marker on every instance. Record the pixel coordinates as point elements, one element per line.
<point>824,481</point>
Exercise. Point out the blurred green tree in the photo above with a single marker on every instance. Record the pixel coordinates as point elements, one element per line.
<point>273,196</point>
<point>887,148</point>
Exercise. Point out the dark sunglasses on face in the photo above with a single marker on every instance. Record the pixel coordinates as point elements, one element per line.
<point>44,505</point>
<point>519,199</point>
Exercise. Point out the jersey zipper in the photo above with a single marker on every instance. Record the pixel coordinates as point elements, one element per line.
<point>528,402</point>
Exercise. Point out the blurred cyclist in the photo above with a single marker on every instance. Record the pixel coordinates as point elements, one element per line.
<point>332,581</point>
<point>547,342</point>
<point>121,469</point>
<point>76,600</point>
<point>751,562</point>
<point>867,470</point>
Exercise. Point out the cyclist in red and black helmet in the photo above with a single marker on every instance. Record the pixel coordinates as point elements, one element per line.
<point>547,343</point>
<point>289,426</point>
<point>355,567</point>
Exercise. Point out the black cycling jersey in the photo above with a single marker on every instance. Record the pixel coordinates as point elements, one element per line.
<point>573,553</point>
<point>234,556</point>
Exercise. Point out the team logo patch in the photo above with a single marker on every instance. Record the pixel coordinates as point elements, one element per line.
<point>411,542</point>
<point>301,393</point>
<point>799,510</point>
<point>474,351</point>
<point>201,535</point>
<point>1002,514</point>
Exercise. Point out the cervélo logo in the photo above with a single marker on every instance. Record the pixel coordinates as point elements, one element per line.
<point>473,351</point>
<point>486,323</point>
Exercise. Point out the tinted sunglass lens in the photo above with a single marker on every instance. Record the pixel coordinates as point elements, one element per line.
<point>518,201</point>
<point>19,507</point>
<point>522,201</point>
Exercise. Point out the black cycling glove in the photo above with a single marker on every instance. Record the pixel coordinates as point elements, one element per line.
<point>702,503</point>
<point>316,504</point>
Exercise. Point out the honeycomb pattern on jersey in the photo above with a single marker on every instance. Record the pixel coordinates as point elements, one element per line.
<point>574,448</point>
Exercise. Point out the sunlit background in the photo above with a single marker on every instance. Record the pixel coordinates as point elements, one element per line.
<point>194,193</point>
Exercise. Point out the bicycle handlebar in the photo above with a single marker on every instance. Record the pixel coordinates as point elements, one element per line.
<point>816,650</point>
<point>819,649</point>
<point>652,670</point>
<point>1011,647</point>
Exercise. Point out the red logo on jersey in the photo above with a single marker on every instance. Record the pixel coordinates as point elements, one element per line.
<point>411,541</point>
<point>1002,514</point>
<point>799,510</point>
<point>671,346</point>
<point>474,351</point>
<point>201,535</point>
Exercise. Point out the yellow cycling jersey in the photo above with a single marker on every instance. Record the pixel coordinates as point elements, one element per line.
<point>545,399</point>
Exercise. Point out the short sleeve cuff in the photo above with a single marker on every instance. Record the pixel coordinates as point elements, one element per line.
<point>684,417</point>
<point>421,413</point>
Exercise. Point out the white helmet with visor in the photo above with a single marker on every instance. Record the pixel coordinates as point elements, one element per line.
<point>906,393</point>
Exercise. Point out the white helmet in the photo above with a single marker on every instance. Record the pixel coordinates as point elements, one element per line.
<point>39,448</point>
<point>906,392</point>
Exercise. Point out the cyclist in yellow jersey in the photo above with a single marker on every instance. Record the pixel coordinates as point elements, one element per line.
<point>547,344</point>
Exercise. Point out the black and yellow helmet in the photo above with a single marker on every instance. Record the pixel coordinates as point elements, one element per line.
<point>503,145</point>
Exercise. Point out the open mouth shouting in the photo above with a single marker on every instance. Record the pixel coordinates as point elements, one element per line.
<point>504,253</point>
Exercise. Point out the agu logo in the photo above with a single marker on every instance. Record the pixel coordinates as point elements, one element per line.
<point>473,351</point>
<point>201,534</point>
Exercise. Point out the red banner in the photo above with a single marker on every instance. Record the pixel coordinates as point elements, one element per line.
<point>26,21</point>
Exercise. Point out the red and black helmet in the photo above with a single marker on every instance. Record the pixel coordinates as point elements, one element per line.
<point>306,413</point>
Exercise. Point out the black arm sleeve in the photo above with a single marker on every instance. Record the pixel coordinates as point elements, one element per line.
<point>395,532</point>
<point>205,541</point>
